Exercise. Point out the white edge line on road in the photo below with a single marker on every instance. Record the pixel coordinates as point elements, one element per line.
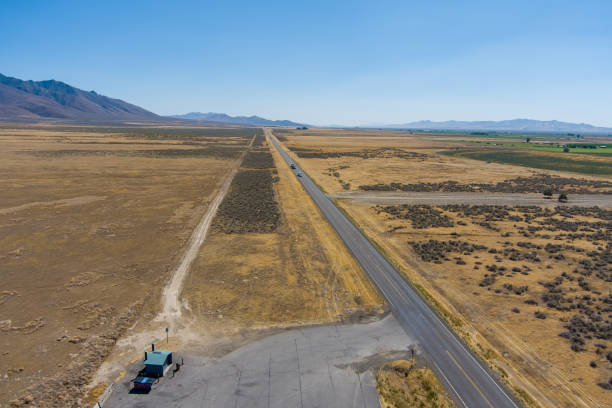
<point>461,345</point>
<point>449,383</point>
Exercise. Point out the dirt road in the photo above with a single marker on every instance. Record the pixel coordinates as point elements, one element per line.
<point>171,304</point>
<point>171,308</point>
<point>522,199</point>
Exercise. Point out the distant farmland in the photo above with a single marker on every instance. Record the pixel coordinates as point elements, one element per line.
<point>581,148</point>
<point>540,160</point>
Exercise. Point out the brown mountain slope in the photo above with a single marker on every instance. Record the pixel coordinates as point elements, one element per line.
<point>31,100</point>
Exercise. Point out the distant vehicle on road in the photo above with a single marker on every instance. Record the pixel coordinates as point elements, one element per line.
<point>300,174</point>
<point>293,165</point>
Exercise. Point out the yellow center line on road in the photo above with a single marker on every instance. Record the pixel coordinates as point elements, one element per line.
<point>469,379</point>
<point>384,274</point>
<point>367,253</point>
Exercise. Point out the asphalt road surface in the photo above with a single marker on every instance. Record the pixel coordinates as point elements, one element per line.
<point>512,199</point>
<point>465,377</point>
<point>325,366</point>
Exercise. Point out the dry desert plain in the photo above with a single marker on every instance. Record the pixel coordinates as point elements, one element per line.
<point>528,288</point>
<point>271,259</point>
<point>95,220</point>
<point>92,221</point>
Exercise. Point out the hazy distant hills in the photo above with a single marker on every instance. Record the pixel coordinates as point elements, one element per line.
<point>57,101</point>
<point>514,125</point>
<point>235,120</point>
<point>44,100</point>
<point>53,100</point>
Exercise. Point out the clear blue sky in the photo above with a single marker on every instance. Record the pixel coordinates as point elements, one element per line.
<point>354,62</point>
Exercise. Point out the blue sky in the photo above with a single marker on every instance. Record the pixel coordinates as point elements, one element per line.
<point>354,62</point>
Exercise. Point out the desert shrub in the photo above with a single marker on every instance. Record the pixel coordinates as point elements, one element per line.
<point>384,152</point>
<point>260,140</point>
<point>250,205</point>
<point>434,250</point>
<point>517,290</point>
<point>221,152</point>
<point>258,160</point>
<point>539,315</point>
<point>533,184</point>
<point>488,280</point>
<point>422,216</point>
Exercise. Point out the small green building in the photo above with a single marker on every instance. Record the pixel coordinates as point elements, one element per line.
<point>156,362</point>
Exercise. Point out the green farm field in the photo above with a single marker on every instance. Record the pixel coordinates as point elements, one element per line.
<point>597,148</point>
<point>584,164</point>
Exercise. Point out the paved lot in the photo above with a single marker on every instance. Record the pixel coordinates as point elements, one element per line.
<point>325,366</point>
<point>523,199</point>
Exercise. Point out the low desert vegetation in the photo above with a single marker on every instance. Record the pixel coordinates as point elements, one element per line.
<point>534,184</point>
<point>271,260</point>
<point>402,384</point>
<point>136,133</point>
<point>250,205</point>
<point>421,216</point>
<point>280,137</point>
<point>220,152</point>
<point>258,160</point>
<point>385,152</point>
<point>487,265</point>
<point>260,139</point>
<point>543,263</point>
<point>92,221</point>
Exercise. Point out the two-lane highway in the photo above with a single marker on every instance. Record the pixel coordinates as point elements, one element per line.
<point>471,384</point>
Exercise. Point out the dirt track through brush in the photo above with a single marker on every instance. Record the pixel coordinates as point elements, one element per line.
<point>171,308</point>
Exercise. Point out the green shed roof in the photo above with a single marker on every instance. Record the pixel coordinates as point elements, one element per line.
<point>157,357</point>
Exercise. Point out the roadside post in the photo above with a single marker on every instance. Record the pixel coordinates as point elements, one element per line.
<point>166,335</point>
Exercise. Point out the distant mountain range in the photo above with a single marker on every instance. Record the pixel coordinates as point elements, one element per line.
<point>57,101</point>
<point>52,100</point>
<point>45,100</point>
<point>514,125</point>
<point>235,120</point>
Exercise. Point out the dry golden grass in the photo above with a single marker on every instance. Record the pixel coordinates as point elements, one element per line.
<point>527,350</point>
<point>430,169</point>
<point>299,274</point>
<point>401,384</point>
<point>86,244</point>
